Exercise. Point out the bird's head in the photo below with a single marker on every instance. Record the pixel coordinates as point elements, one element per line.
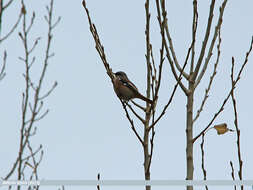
<point>121,75</point>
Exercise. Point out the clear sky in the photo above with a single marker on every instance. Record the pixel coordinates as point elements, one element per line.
<point>86,131</point>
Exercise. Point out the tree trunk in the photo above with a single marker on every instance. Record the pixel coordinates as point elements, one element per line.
<point>146,157</point>
<point>189,143</point>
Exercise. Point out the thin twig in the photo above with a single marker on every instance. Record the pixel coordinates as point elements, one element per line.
<point>136,114</point>
<point>210,81</point>
<point>1,14</point>
<point>153,75</point>
<point>171,47</point>
<point>27,129</point>
<point>31,24</point>
<point>203,158</point>
<point>7,4</point>
<point>33,153</point>
<point>49,91</point>
<point>236,124</point>
<point>232,172</point>
<point>210,51</point>
<point>2,70</point>
<point>194,29</point>
<point>173,92</point>
<point>148,49</point>
<point>132,123</point>
<point>161,56</point>
<point>162,25</point>
<point>35,163</point>
<point>34,46</point>
<point>13,28</point>
<point>204,43</point>
<point>99,46</point>
<point>139,106</point>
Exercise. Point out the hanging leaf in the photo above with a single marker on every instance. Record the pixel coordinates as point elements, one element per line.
<point>222,128</point>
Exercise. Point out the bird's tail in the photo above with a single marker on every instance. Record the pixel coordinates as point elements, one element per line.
<point>144,98</point>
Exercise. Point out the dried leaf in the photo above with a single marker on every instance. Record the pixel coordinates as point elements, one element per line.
<point>222,128</point>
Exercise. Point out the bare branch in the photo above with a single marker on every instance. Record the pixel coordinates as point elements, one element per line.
<point>160,72</point>
<point>162,26</point>
<point>2,8</point>
<point>148,50</point>
<point>2,70</point>
<point>31,64</point>
<point>194,29</point>
<point>164,13</point>
<point>12,29</point>
<point>245,61</point>
<point>232,172</point>
<point>7,4</point>
<point>33,153</point>
<point>1,14</point>
<point>139,106</point>
<point>185,90</point>
<point>99,46</point>
<point>204,43</point>
<point>56,23</point>
<point>236,124</point>
<point>216,33</point>
<point>12,169</point>
<point>210,81</point>
<point>35,163</point>
<point>165,20</point>
<point>49,92</point>
<point>153,67</point>
<point>203,158</point>
<point>30,83</point>
<point>27,127</point>
<point>136,114</point>
<point>161,56</point>
<point>34,45</point>
<point>132,123</point>
<point>173,93</point>
<point>46,18</point>
<point>149,107</point>
<point>42,116</point>
<point>151,147</point>
<point>31,23</point>
<point>226,99</point>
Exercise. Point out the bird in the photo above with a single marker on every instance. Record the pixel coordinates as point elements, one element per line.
<point>125,89</point>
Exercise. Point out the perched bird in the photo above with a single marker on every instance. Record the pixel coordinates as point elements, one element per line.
<point>125,89</point>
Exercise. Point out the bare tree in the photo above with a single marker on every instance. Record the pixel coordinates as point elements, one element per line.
<point>153,82</point>
<point>29,158</point>
<point>197,69</point>
<point>196,73</point>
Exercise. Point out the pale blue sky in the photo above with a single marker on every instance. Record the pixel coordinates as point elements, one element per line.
<point>86,131</point>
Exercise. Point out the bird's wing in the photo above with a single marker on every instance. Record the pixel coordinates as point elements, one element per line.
<point>129,84</point>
